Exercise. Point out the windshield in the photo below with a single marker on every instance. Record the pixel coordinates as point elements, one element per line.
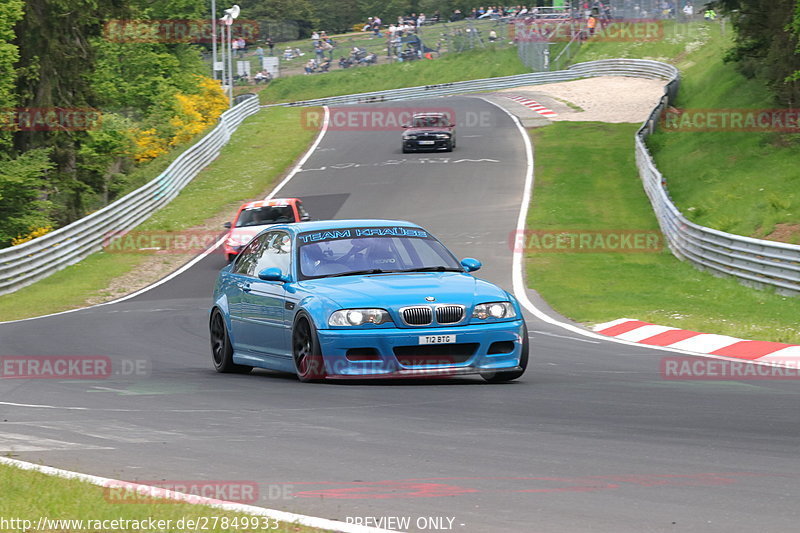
<point>430,122</point>
<point>371,250</point>
<point>258,216</point>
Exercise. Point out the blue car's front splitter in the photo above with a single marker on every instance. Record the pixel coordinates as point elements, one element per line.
<point>400,352</point>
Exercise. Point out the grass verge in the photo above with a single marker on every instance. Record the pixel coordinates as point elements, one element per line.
<point>742,182</point>
<point>591,183</point>
<point>473,64</point>
<point>64,499</point>
<point>263,147</point>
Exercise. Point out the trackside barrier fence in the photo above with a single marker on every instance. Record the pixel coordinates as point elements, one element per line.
<point>753,261</point>
<point>36,259</point>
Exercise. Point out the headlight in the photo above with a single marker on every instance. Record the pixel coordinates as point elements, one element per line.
<point>442,135</point>
<point>494,310</point>
<point>410,137</point>
<point>358,317</point>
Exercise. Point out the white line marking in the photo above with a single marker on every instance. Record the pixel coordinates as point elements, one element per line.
<point>17,442</point>
<point>203,254</point>
<point>562,336</point>
<point>282,516</point>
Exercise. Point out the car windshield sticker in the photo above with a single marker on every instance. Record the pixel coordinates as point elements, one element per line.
<point>349,233</point>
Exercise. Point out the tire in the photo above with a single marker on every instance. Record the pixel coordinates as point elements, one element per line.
<point>449,147</point>
<point>503,376</point>
<point>405,150</point>
<point>230,258</point>
<point>221,349</point>
<point>306,353</point>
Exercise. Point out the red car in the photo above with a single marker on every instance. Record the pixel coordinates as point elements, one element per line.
<point>253,217</point>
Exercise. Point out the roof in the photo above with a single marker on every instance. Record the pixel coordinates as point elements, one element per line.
<point>317,225</point>
<point>269,203</point>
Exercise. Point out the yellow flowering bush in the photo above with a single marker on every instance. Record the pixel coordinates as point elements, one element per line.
<point>148,145</point>
<point>188,115</point>
<point>34,232</point>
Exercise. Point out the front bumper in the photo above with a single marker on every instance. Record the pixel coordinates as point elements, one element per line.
<point>414,145</point>
<point>396,352</point>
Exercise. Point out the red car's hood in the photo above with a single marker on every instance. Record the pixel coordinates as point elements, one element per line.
<point>243,235</point>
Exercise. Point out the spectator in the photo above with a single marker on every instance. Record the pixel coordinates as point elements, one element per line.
<point>311,65</point>
<point>260,53</point>
<point>688,10</point>
<point>262,76</point>
<point>327,47</point>
<point>591,23</point>
<point>271,45</point>
<point>492,36</point>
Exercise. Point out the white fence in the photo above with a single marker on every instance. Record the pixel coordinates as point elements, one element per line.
<point>36,259</point>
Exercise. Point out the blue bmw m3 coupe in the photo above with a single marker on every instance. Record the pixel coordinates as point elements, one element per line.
<point>362,299</point>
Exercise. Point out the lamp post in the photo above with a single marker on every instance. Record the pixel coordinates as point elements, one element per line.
<point>230,16</point>
<point>214,39</point>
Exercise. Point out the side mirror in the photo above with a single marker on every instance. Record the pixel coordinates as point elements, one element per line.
<point>227,225</point>
<point>273,274</point>
<point>305,218</point>
<point>470,264</point>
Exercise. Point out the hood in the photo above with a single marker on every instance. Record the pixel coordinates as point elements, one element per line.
<point>420,131</point>
<point>244,234</point>
<point>399,290</point>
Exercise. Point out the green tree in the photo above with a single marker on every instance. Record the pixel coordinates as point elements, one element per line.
<point>11,11</point>
<point>299,14</point>
<point>21,183</point>
<point>765,45</point>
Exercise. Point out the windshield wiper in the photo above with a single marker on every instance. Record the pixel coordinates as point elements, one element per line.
<point>359,272</point>
<point>432,269</point>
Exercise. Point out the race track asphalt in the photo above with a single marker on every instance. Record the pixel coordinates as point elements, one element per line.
<point>591,438</point>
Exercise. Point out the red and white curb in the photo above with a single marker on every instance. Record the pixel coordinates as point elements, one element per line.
<point>534,105</point>
<point>641,332</point>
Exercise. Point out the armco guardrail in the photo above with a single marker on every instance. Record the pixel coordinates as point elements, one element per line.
<point>640,68</point>
<point>753,261</point>
<point>36,259</point>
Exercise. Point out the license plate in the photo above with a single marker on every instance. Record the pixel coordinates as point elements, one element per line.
<point>437,339</point>
<point>427,142</point>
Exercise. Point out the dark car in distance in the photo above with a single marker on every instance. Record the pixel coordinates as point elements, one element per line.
<point>429,131</point>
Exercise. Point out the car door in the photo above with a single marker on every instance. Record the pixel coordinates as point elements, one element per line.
<point>258,307</point>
